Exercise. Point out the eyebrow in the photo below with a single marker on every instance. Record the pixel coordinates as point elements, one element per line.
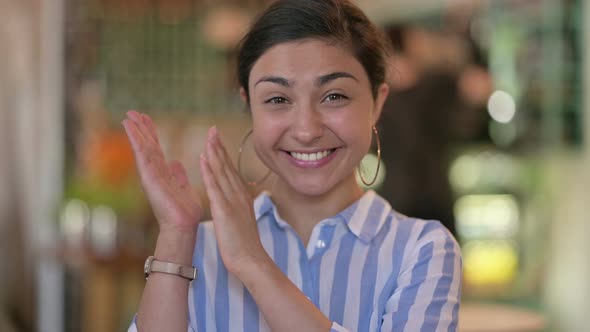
<point>275,79</point>
<point>322,80</point>
<point>330,77</point>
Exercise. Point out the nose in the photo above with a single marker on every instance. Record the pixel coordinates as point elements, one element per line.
<point>307,125</point>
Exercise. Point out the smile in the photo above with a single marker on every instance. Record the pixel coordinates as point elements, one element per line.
<point>315,156</point>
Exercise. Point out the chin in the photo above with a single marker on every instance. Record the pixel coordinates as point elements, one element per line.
<point>311,188</point>
<point>313,191</point>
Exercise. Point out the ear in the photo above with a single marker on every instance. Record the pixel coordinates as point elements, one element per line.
<point>244,95</point>
<point>382,94</point>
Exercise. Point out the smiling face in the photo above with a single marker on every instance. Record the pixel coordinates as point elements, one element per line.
<point>312,110</point>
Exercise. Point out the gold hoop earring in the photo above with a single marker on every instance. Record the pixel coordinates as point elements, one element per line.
<point>252,183</point>
<point>368,184</point>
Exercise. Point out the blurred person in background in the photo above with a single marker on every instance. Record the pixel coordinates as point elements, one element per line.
<point>315,253</point>
<point>439,88</point>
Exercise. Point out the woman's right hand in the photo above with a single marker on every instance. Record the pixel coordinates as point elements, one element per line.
<point>165,184</point>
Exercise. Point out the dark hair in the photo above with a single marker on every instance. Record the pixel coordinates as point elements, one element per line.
<point>337,21</point>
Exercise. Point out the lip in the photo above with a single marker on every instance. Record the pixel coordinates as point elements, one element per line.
<point>310,164</point>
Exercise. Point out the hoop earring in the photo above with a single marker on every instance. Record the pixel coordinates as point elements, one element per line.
<point>251,183</point>
<point>368,184</point>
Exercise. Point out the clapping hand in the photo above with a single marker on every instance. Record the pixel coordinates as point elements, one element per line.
<point>165,184</point>
<point>167,188</point>
<point>231,207</point>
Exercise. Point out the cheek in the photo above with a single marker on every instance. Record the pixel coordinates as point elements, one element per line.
<point>262,124</point>
<point>353,126</point>
<point>262,145</point>
<point>269,122</point>
<point>267,130</point>
<point>363,142</point>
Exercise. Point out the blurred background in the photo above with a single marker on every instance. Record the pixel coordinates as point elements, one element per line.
<point>488,99</point>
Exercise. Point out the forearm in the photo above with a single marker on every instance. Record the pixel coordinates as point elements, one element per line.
<point>163,305</point>
<point>284,306</point>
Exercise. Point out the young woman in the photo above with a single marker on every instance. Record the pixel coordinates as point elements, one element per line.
<point>316,253</point>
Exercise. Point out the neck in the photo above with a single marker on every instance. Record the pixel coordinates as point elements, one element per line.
<point>303,211</point>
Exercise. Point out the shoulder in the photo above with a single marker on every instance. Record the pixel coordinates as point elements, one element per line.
<point>420,232</point>
<point>424,230</point>
<point>376,218</point>
<point>427,241</point>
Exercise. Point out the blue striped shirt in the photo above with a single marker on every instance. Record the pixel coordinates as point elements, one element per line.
<point>367,268</point>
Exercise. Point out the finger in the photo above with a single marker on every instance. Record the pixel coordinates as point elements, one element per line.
<point>137,118</point>
<point>220,146</point>
<point>216,162</point>
<point>149,159</point>
<point>135,137</point>
<point>148,173</point>
<point>150,147</point>
<point>151,127</point>
<point>216,198</point>
<point>228,167</point>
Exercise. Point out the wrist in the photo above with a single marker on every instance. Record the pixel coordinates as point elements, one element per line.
<point>250,267</point>
<point>179,226</point>
<point>176,247</point>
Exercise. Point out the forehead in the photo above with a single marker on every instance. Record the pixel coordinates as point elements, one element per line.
<point>306,60</point>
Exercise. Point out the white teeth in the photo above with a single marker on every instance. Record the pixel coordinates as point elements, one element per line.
<point>310,156</point>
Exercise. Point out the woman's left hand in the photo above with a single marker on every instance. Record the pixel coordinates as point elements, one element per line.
<point>231,207</point>
<point>283,305</point>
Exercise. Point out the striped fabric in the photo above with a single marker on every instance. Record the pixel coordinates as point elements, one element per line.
<point>367,269</point>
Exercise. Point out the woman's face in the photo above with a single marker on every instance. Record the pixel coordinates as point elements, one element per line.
<point>312,111</point>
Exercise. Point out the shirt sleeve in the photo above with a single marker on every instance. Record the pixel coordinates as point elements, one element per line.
<point>133,326</point>
<point>429,285</point>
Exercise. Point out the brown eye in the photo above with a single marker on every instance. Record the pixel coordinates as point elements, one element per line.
<point>277,100</point>
<point>335,97</point>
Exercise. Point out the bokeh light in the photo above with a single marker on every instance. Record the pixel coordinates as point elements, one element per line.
<point>501,106</point>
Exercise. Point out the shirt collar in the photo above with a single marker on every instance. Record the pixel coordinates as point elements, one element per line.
<point>364,218</point>
<point>262,205</point>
